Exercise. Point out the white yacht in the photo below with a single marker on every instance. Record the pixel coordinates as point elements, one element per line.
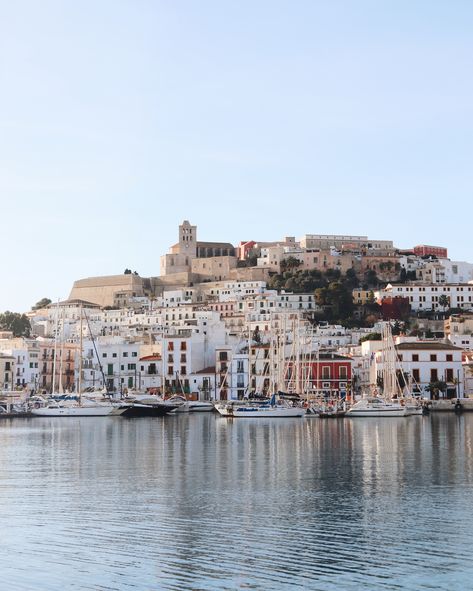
<point>54,408</point>
<point>374,406</point>
<point>268,409</point>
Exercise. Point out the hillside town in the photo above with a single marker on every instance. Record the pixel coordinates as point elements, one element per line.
<point>221,322</point>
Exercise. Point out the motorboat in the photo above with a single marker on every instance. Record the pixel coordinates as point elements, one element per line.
<point>375,406</point>
<point>191,405</point>
<point>146,405</point>
<point>53,408</point>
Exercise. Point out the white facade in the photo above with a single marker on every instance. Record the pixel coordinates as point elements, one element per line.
<point>426,362</point>
<point>426,297</point>
<point>26,356</point>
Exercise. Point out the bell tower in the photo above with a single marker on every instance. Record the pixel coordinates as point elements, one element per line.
<point>188,239</point>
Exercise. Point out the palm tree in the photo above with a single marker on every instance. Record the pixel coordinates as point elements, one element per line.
<point>444,301</point>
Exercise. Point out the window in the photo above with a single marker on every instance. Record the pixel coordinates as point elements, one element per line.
<point>104,355</point>
<point>170,358</point>
<point>114,354</point>
<point>434,375</point>
<point>449,357</point>
<point>449,375</point>
<point>170,346</point>
<point>415,357</point>
<point>326,372</point>
<point>183,370</point>
<point>183,345</point>
<point>125,354</point>
<point>131,366</point>
<point>416,375</point>
<point>343,373</point>
<point>433,357</point>
<point>134,354</point>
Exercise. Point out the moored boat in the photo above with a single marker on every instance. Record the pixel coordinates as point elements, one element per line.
<point>374,406</point>
<point>269,409</point>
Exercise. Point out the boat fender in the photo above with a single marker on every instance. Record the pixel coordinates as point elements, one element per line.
<point>458,406</point>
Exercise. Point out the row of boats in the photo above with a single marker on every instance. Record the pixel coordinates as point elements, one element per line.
<point>371,406</point>
<point>142,405</point>
<point>278,406</point>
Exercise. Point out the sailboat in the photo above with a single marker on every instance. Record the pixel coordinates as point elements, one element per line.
<point>391,403</point>
<point>80,407</point>
<point>269,409</point>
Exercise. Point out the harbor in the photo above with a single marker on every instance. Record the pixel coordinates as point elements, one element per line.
<point>192,501</point>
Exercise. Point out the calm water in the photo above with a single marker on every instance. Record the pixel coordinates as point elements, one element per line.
<point>200,502</point>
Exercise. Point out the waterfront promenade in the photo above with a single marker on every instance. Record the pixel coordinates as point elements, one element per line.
<point>199,502</point>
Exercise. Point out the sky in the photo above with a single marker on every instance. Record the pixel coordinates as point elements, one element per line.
<point>254,120</point>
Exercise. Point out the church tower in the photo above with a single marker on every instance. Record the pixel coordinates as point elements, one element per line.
<point>188,239</point>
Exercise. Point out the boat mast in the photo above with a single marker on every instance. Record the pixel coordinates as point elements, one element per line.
<point>80,357</point>
<point>61,353</point>
<point>53,385</point>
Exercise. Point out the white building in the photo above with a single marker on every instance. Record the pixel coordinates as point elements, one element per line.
<point>426,362</point>
<point>427,297</point>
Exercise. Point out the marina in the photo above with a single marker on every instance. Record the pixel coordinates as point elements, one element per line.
<point>192,501</point>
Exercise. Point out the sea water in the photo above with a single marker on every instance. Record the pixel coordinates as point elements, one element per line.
<point>200,502</point>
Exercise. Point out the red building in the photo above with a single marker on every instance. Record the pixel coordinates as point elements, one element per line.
<point>328,374</point>
<point>244,249</point>
<point>397,308</point>
<point>423,250</point>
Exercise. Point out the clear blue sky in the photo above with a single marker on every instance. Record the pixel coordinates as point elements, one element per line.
<point>252,119</point>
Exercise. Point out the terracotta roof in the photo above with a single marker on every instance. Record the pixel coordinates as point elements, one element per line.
<point>426,346</point>
<point>334,356</point>
<point>214,244</point>
<point>151,358</point>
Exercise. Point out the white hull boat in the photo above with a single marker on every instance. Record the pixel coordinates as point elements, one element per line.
<point>376,407</point>
<point>412,408</point>
<point>269,410</point>
<point>191,405</point>
<point>93,410</point>
<point>200,406</point>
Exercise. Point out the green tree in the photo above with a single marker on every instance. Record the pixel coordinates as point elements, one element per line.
<point>351,280</point>
<point>41,304</point>
<point>444,301</point>
<point>17,323</point>
<point>371,278</point>
<point>372,336</point>
<point>396,328</point>
<point>435,387</point>
<point>337,298</point>
<point>290,263</point>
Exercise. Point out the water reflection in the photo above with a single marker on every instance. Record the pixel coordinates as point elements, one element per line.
<point>200,502</point>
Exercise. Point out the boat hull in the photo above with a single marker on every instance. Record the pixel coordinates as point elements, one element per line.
<point>74,411</point>
<point>259,412</point>
<point>398,412</point>
<point>200,406</point>
<point>332,415</point>
<point>148,410</point>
